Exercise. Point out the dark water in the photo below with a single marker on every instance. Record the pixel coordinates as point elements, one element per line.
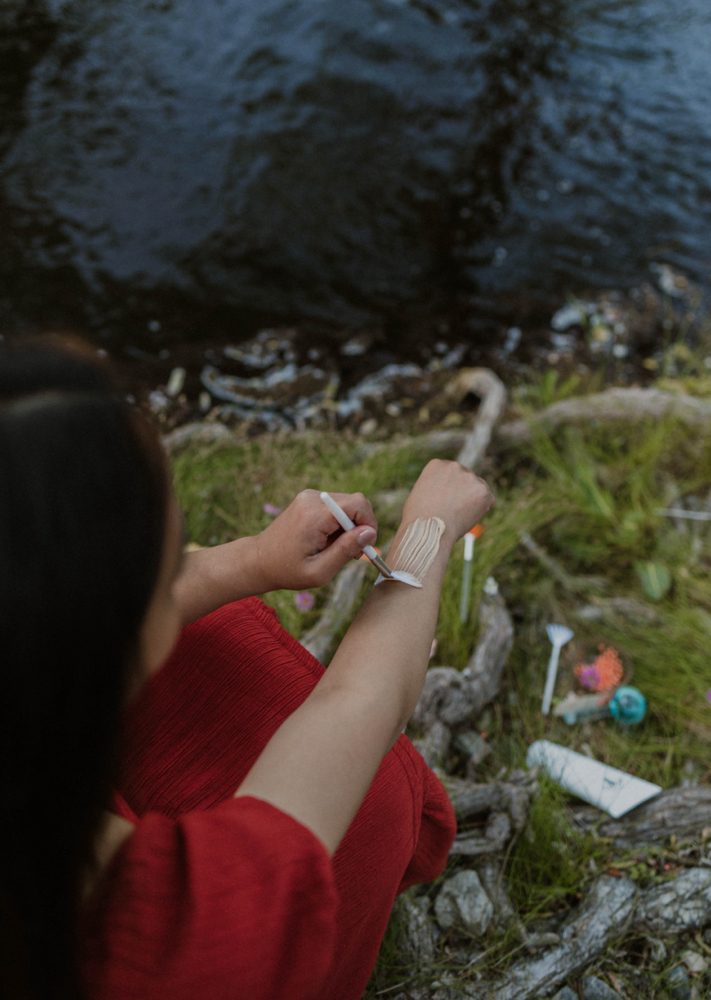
<point>206,163</point>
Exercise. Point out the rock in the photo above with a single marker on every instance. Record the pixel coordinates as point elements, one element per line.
<point>565,994</point>
<point>495,886</point>
<point>679,905</point>
<point>694,961</point>
<point>658,950</point>
<point>463,903</point>
<point>594,989</point>
<point>678,983</point>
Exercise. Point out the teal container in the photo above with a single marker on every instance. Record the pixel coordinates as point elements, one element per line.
<point>628,706</point>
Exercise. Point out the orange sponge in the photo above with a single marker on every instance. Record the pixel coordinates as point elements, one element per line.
<point>604,673</point>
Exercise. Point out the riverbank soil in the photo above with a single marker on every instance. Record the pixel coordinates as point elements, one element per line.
<point>604,561</point>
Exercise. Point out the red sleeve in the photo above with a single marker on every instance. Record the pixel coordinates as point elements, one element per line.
<point>233,902</point>
<point>437,831</point>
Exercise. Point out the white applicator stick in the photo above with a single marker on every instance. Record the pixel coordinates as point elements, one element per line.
<point>348,525</point>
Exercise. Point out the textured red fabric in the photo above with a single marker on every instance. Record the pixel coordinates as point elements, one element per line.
<point>214,897</point>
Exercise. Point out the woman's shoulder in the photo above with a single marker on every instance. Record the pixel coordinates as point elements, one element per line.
<point>239,894</point>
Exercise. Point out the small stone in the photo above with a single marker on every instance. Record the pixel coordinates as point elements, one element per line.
<point>658,950</point>
<point>368,426</point>
<point>463,903</point>
<point>678,983</point>
<point>565,994</point>
<point>694,961</point>
<point>594,989</point>
<point>393,409</point>
<point>176,382</point>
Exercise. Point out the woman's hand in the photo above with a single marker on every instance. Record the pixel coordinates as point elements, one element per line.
<point>305,546</point>
<point>448,490</point>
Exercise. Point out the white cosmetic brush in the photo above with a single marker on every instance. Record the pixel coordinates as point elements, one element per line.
<point>347,525</point>
<point>558,635</point>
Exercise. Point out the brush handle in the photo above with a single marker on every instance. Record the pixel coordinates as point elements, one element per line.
<point>348,525</point>
<point>466,591</point>
<point>550,680</point>
<point>338,512</point>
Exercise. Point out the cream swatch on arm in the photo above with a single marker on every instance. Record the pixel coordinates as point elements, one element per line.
<point>416,551</point>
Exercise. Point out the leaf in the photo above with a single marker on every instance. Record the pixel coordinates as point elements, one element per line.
<point>655,579</point>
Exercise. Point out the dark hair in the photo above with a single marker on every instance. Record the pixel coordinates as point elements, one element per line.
<point>83,496</point>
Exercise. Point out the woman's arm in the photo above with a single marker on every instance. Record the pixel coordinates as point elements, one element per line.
<point>304,547</point>
<point>320,763</point>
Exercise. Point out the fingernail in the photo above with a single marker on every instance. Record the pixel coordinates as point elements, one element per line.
<point>366,537</point>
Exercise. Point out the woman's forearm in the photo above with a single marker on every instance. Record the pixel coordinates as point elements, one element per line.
<point>215,576</point>
<point>320,763</point>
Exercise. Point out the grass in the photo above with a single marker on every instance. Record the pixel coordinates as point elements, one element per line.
<point>589,498</point>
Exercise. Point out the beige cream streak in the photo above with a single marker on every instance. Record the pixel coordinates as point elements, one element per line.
<point>416,551</point>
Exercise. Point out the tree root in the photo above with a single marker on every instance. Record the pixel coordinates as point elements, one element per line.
<point>490,389</point>
<point>612,405</point>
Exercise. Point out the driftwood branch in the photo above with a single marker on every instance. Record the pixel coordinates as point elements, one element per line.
<point>676,906</point>
<point>611,907</point>
<point>680,811</point>
<point>337,610</point>
<point>610,406</point>
<point>452,697</point>
<point>605,913</point>
<point>490,389</point>
<point>196,433</point>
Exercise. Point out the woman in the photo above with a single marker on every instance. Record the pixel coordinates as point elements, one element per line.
<point>264,811</point>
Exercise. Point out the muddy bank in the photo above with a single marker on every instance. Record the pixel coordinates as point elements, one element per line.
<point>295,377</point>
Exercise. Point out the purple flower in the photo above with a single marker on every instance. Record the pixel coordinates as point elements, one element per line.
<point>708,695</point>
<point>304,600</point>
<point>589,677</point>
<point>270,509</point>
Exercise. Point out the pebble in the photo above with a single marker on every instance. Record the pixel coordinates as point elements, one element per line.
<point>462,902</point>
<point>594,989</point>
<point>565,994</point>
<point>176,382</point>
<point>693,961</point>
<point>368,426</point>
<point>678,983</point>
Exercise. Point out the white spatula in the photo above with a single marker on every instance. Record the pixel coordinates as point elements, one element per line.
<point>558,635</point>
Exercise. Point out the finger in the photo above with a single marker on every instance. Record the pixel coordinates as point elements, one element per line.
<point>358,508</point>
<point>348,546</point>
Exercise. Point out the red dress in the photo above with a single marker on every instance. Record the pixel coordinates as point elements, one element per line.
<point>217,898</point>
